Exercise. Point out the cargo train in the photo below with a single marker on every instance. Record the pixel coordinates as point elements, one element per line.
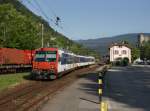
<point>13,60</point>
<point>51,63</point>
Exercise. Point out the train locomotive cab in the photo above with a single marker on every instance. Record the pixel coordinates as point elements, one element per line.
<point>45,63</point>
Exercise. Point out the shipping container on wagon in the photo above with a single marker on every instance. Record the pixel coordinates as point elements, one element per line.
<point>11,56</point>
<point>28,56</point>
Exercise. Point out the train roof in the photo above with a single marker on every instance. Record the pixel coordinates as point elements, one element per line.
<point>46,49</point>
<point>64,51</point>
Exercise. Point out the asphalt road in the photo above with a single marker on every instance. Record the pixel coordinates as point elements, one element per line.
<point>128,88</point>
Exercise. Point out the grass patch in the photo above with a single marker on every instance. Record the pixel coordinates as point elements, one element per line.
<point>9,80</point>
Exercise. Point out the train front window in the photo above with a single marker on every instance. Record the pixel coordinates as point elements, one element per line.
<point>45,56</point>
<point>51,56</point>
<point>40,56</point>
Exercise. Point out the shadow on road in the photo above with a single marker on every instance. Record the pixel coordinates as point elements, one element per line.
<point>130,87</point>
<point>127,86</point>
<point>92,86</point>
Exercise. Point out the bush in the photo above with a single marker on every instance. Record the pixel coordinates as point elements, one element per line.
<point>118,62</point>
<point>122,62</point>
<point>125,61</point>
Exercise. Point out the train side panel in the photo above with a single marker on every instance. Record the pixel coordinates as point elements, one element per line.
<point>9,56</point>
<point>64,62</point>
<point>14,60</point>
<point>28,56</point>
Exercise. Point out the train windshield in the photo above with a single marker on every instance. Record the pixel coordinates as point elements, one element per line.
<point>45,56</point>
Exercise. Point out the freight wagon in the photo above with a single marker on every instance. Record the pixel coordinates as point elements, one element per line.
<point>12,60</point>
<point>51,63</point>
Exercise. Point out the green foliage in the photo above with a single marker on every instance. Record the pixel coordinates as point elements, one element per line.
<point>118,62</point>
<point>21,29</point>
<point>135,53</point>
<point>17,31</point>
<point>145,51</point>
<point>122,61</point>
<point>125,61</point>
<point>10,80</point>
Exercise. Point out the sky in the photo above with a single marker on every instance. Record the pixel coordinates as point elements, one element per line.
<point>89,19</point>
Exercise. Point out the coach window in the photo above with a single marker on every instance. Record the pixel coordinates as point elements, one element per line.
<point>69,59</point>
<point>63,59</point>
<point>77,59</point>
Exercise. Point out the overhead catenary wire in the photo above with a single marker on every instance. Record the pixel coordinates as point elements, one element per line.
<point>51,9</point>
<point>57,18</point>
<point>57,21</point>
<point>42,11</point>
<point>29,2</point>
<point>34,6</point>
<point>39,9</point>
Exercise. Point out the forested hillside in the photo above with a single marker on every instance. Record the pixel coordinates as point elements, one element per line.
<point>20,28</point>
<point>102,44</point>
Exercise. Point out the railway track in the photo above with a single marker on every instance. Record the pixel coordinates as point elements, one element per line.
<point>30,95</point>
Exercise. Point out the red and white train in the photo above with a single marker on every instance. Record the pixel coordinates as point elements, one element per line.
<point>51,63</point>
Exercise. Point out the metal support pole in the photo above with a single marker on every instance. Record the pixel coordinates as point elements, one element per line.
<point>42,40</point>
<point>100,82</point>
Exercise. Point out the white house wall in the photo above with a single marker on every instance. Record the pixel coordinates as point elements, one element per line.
<point>114,56</point>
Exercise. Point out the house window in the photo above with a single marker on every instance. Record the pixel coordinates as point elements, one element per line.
<point>116,52</point>
<point>124,52</point>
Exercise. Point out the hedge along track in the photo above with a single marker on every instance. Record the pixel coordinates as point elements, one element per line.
<point>31,95</point>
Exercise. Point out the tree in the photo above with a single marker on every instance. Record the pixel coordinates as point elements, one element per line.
<point>145,51</point>
<point>135,53</point>
<point>125,61</point>
<point>20,31</point>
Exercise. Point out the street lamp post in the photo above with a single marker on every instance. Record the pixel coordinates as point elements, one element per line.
<point>42,40</point>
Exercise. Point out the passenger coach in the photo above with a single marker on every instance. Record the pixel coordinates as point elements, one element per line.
<point>50,63</point>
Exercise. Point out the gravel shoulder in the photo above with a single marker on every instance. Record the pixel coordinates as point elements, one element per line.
<point>33,94</point>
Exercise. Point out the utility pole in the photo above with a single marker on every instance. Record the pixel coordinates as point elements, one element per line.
<point>42,40</point>
<point>4,34</point>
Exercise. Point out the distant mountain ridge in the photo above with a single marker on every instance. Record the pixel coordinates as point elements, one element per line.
<point>102,44</point>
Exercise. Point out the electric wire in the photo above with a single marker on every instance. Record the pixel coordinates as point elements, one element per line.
<point>57,22</point>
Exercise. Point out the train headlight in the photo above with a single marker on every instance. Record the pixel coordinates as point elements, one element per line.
<point>52,67</point>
